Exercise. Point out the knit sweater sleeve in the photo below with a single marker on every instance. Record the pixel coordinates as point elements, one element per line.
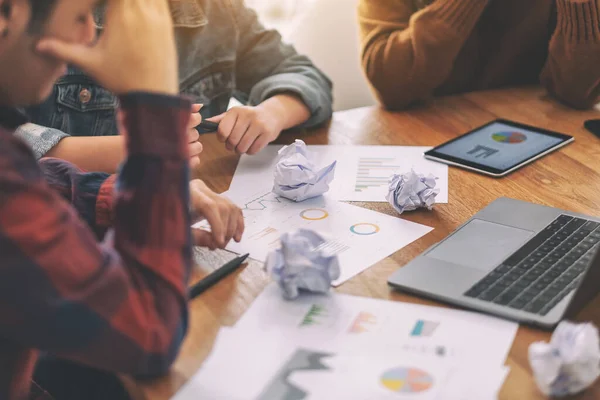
<point>407,54</point>
<point>572,72</point>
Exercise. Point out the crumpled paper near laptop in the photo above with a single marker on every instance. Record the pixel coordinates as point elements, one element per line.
<point>570,363</point>
<point>410,191</point>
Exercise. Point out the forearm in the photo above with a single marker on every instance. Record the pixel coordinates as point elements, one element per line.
<point>267,67</point>
<point>93,153</point>
<point>407,56</point>
<point>127,294</point>
<point>571,72</point>
<point>290,110</point>
<point>91,193</point>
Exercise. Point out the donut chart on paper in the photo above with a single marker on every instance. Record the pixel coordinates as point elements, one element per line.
<point>407,380</point>
<point>314,214</point>
<point>364,229</point>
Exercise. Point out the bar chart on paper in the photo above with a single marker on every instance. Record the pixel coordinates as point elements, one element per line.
<point>374,173</point>
<point>364,172</point>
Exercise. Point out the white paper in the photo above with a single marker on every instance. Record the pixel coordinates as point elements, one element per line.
<point>383,375</point>
<point>358,322</point>
<point>378,375</point>
<point>350,230</point>
<point>273,368</point>
<point>362,172</point>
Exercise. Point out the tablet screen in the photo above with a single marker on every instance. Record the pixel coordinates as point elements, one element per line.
<point>499,146</point>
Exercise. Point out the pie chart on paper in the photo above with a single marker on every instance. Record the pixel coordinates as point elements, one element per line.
<point>509,137</point>
<point>407,380</point>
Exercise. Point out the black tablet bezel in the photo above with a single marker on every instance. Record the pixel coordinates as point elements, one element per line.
<point>495,171</point>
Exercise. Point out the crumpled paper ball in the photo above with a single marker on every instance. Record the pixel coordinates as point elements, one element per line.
<point>302,264</point>
<point>410,191</point>
<point>568,364</point>
<point>296,175</point>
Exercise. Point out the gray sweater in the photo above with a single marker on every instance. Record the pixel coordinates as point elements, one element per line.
<point>223,51</point>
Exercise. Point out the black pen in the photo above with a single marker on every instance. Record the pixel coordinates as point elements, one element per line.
<point>207,127</point>
<point>215,276</point>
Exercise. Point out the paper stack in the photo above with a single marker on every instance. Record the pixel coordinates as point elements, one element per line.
<point>344,347</point>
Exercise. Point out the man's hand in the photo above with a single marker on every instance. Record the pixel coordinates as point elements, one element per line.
<point>194,136</point>
<point>225,218</point>
<point>135,53</point>
<point>248,129</point>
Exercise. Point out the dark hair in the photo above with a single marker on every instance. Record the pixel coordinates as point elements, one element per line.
<point>40,11</point>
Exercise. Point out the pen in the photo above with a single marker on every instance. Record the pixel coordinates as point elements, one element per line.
<point>207,127</point>
<point>215,276</point>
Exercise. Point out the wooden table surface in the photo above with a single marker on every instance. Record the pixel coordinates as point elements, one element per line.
<point>568,179</point>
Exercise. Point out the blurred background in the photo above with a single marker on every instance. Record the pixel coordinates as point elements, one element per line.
<point>327,32</point>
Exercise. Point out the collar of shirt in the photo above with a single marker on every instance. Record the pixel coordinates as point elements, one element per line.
<point>11,118</point>
<point>185,13</point>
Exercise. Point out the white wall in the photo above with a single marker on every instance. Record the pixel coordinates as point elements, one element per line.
<point>326,31</point>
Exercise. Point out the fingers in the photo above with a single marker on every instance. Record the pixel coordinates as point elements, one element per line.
<point>193,135</point>
<point>194,163</point>
<point>251,135</point>
<point>195,149</point>
<point>260,143</point>
<point>238,132</point>
<point>217,118</point>
<point>196,107</point>
<point>225,218</point>
<point>233,223</point>
<point>226,125</point>
<point>241,225</point>
<point>78,54</point>
<point>203,238</point>
<point>217,225</point>
<point>195,120</point>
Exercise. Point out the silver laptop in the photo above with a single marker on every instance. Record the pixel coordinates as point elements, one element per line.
<point>517,260</point>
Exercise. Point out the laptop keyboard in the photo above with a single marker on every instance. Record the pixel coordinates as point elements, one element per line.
<point>541,273</point>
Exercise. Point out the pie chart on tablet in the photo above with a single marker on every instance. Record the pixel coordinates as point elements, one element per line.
<point>509,137</point>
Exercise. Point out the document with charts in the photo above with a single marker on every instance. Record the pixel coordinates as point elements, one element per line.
<point>362,172</point>
<point>359,237</point>
<point>338,346</point>
<point>339,320</point>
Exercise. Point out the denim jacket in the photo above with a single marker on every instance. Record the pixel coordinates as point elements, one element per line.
<point>223,49</point>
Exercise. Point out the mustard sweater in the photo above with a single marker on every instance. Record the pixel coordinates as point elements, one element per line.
<point>415,49</point>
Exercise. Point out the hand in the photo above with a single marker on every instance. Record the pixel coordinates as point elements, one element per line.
<point>136,51</point>
<point>225,218</point>
<point>248,129</point>
<point>195,146</point>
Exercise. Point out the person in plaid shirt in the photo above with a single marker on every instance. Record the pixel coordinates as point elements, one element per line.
<point>94,268</point>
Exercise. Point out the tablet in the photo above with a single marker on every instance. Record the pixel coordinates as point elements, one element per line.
<point>499,147</point>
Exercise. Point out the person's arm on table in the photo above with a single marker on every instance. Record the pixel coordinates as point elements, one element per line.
<point>91,153</point>
<point>285,89</point>
<point>571,73</point>
<point>109,291</point>
<point>95,153</point>
<point>62,291</point>
<point>406,54</point>
<point>249,129</point>
<point>91,194</point>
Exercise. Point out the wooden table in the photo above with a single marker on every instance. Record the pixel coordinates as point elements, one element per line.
<point>569,179</point>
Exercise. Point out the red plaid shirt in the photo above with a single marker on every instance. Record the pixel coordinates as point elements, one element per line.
<point>94,268</point>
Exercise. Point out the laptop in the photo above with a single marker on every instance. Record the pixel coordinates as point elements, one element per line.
<point>521,261</point>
